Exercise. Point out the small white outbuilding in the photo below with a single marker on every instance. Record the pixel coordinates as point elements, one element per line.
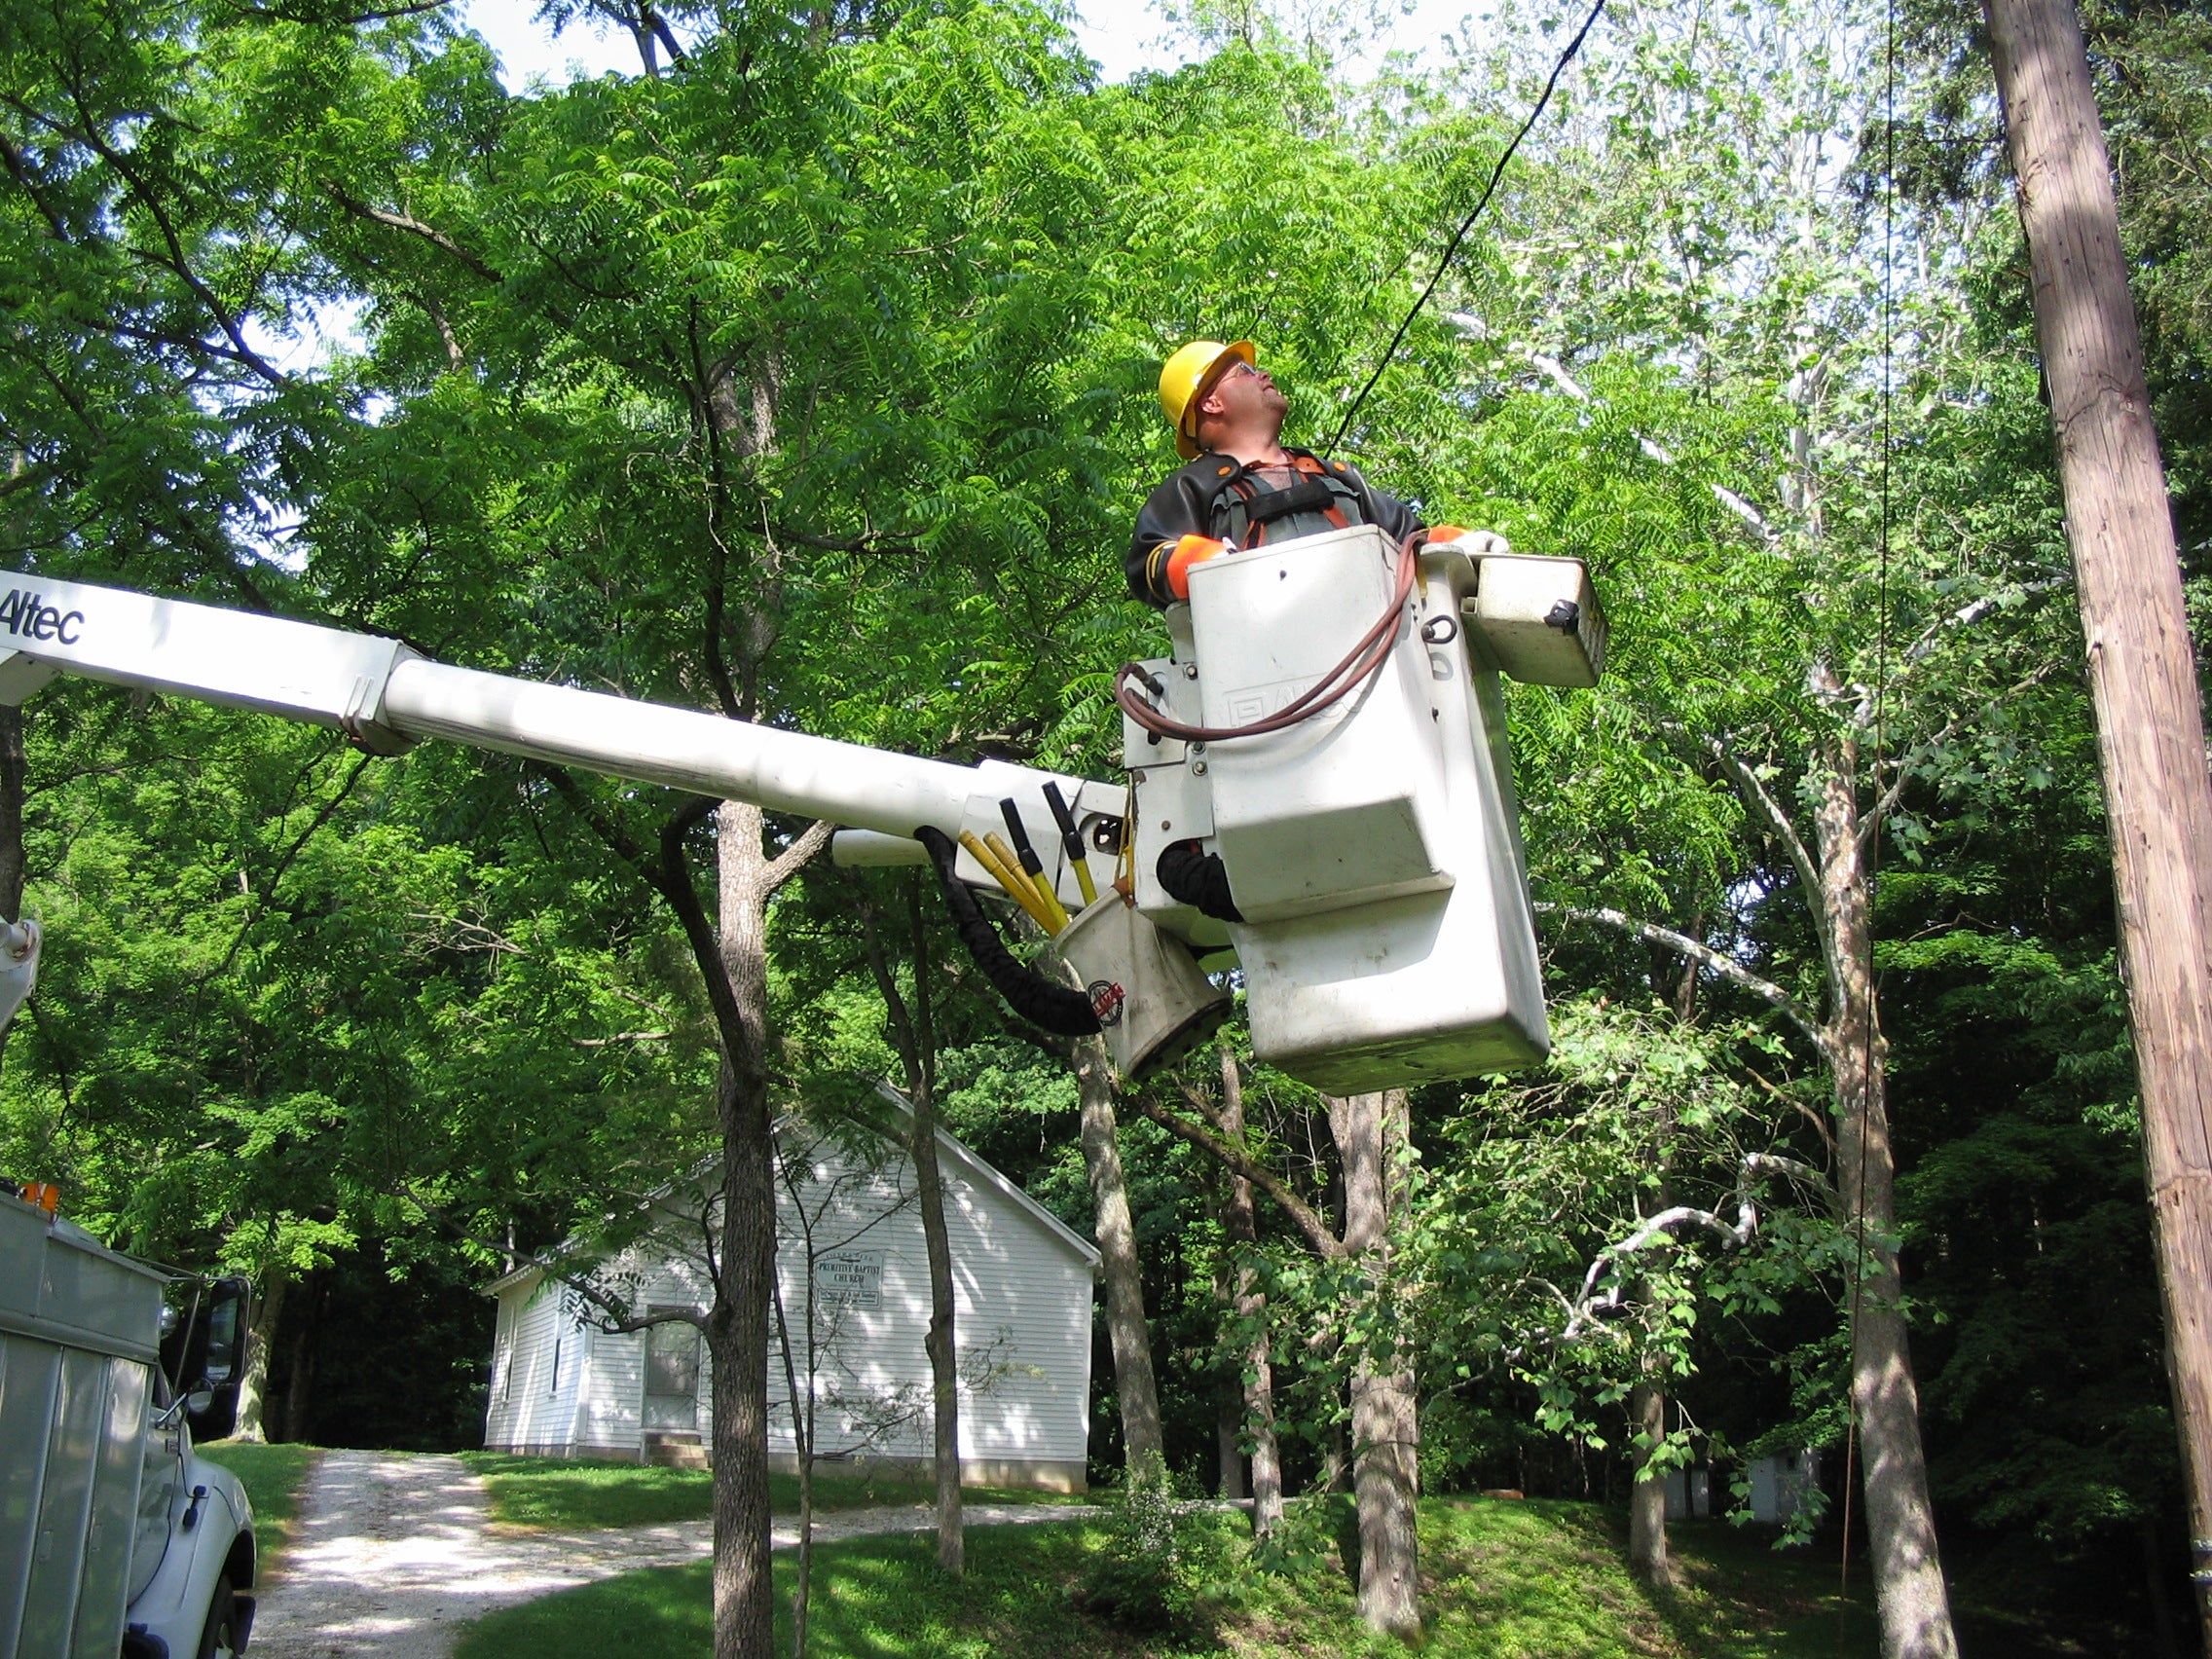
<point>853,1277</point>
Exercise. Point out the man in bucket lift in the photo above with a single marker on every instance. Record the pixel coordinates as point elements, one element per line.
<point>1242,486</point>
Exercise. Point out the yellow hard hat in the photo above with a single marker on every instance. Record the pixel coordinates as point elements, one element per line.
<point>1186,377</point>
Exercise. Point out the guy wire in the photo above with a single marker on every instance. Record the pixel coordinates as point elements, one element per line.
<point>1874,842</point>
<point>1465,225</point>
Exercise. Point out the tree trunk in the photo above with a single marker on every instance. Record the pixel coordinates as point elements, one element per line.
<point>253,1371</point>
<point>737,1325</point>
<point>1242,1227</point>
<point>1133,1383</point>
<point>1336,1459</point>
<point>1648,1497</point>
<point>11,774</point>
<point>802,1443</point>
<point>1229,1455</point>
<point>1228,1392</point>
<point>1908,1572</point>
<point>299,1386</point>
<point>944,1364</point>
<point>2142,673</point>
<point>13,770</point>
<point>1383,1416</point>
<point>912,1026</point>
<point>1228,1413</point>
<point>1647,1401</point>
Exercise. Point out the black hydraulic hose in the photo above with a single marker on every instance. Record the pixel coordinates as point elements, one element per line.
<point>1191,874</point>
<point>1046,1004</point>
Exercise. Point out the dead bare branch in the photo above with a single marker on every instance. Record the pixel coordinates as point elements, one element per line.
<point>1766,990</point>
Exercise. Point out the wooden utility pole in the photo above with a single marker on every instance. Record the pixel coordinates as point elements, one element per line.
<point>2142,671</point>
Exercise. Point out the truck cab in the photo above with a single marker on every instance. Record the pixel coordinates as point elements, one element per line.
<point>115,1538</point>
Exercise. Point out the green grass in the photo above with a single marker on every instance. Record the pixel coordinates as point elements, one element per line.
<point>271,1476</point>
<point>568,1495</point>
<point>1502,1580</point>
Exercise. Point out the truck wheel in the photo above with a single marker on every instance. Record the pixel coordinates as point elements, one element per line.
<point>219,1640</point>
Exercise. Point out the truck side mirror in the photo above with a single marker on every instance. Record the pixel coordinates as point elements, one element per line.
<point>205,1354</point>
<point>229,1303</point>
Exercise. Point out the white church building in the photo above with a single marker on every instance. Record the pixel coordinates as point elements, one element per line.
<point>854,1289</point>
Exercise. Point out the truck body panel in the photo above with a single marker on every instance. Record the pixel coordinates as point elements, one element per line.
<point>94,1490</point>
<point>80,1329</point>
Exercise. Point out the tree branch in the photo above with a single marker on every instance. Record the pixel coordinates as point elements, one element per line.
<point>1204,1107</point>
<point>1582,1309</point>
<point>1967,616</point>
<point>668,877</point>
<point>904,1036</point>
<point>88,134</point>
<point>1766,990</point>
<point>799,854</point>
<point>169,337</point>
<point>1591,1303</point>
<point>1818,1122</point>
<point>18,169</point>
<point>268,893</point>
<point>352,20</point>
<point>1303,1216</point>
<point>414,227</point>
<point>870,543</point>
<point>618,839</point>
<point>677,57</point>
<point>1770,1164</point>
<point>1885,803</point>
<point>1753,791</point>
<point>675,871</point>
<point>29,478</point>
<point>1653,448</point>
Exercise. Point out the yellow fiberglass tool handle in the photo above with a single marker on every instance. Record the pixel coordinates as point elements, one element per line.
<point>1032,901</point>
<point>1006,873</point>
<point>1032,866</point>
<point>1071,841</point>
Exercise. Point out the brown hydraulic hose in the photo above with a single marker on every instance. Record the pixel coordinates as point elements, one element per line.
<point>1362,663</point>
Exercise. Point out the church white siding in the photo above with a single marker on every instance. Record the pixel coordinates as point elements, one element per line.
<point>536,1369</point>
<point>1022,1297</point>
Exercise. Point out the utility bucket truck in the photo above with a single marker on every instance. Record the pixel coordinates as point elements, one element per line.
<point>115,1539</point>
<point>1324,746</point>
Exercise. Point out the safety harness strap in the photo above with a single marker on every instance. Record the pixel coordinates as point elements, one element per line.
<point>1251,509</point>
<point>1312,495</point>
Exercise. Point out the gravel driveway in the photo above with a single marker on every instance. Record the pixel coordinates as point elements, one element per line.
<point>395,1553</point>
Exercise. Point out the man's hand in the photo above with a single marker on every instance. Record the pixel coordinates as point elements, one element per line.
<point>1189,550</point>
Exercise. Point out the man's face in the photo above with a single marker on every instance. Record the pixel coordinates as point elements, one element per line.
<point>1244,397</point>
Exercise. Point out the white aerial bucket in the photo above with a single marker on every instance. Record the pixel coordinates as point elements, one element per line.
<point>1375,848</point>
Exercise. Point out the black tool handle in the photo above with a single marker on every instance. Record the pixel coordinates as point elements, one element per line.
<point>1070,836</point>
<point>1018,833</point>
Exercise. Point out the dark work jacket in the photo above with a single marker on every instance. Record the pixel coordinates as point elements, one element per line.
<point>1203,498</point>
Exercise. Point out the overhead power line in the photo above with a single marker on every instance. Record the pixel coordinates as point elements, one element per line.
<point>1468,223</point>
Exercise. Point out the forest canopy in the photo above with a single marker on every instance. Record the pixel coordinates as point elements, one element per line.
<point>804,373</point>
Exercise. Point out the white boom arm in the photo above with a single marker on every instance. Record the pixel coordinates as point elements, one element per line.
<point>1373,848</point>
<point>385,695</point>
